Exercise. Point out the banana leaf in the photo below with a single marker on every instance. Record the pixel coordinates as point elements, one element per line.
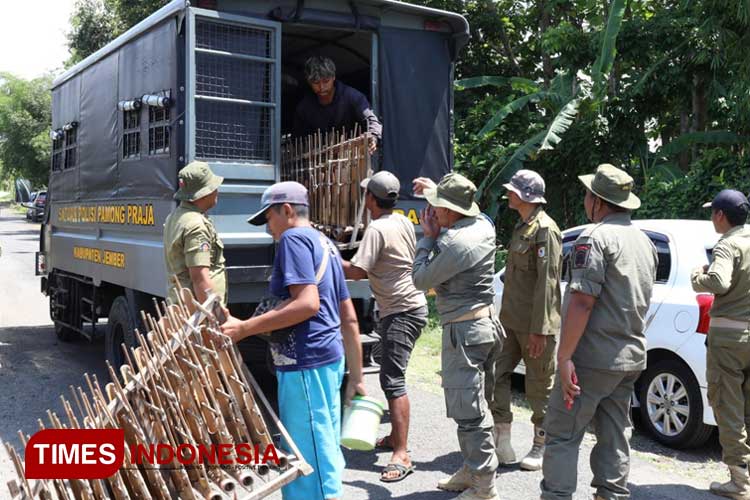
<point>606,59</point>
<point>713,137</point>
<point>516,82</point>
<point>509,108</point>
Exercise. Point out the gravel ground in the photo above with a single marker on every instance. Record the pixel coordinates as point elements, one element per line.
<point>35,369</point>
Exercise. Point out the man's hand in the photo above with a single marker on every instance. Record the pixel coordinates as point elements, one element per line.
<point>536,345</point>
<point>421,183</point>
<point>429,222</point>
<point>233,328</point>
<point>700,270</point>
<point>373,145</point>
<point>569,382</point>
<point>353,387</point>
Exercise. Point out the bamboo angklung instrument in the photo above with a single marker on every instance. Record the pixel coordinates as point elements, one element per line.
<point>331,165</point>
<point>183,384</point>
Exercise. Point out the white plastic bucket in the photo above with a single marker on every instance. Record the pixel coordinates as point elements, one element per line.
<point>359,430</point>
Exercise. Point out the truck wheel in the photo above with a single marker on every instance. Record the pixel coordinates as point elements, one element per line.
<point>120,329</point>
<point>672,407</point>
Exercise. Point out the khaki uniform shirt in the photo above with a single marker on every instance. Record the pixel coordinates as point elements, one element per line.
<point>728,277</point>
<point>386,253</point>
<point>190,240</point>
<point>459,265</point>
<point>531,296</point>
<point>616,263</point>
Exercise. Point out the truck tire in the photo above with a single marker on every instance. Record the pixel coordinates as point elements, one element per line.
<point>120,329</point>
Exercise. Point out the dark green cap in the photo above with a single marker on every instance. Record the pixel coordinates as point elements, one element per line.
<point>455,192</point>
<point>195,181</point>
<point>613,185</point>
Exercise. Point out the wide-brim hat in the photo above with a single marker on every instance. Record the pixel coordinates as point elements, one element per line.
<point>613,185</point>
<point>454,192</point>
<point>197,180</point>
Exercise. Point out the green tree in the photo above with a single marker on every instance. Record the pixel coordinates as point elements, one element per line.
<point>25,122</point>
<point>94,23</point>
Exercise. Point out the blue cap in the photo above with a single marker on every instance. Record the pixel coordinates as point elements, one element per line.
<point>290,192</point>
<point>729,200</point>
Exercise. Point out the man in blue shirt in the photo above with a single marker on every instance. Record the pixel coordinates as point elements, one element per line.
<point>318,311</point>
<point>333,105</point>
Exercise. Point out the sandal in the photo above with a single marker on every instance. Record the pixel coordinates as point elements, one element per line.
<point>384,443</point>
<point>402,470</point>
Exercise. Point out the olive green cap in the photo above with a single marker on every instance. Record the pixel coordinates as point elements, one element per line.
<point>455,192</point>
<point>613,185</point>
<point>195,181</point>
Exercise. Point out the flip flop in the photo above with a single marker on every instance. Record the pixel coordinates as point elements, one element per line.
<point>384,443</point>
<point>402,470</point>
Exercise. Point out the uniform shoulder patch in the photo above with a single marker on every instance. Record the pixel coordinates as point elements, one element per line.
<point>433,254</point>
<point>205,247</point>
<point>581,254</point>
<point>540,252</point>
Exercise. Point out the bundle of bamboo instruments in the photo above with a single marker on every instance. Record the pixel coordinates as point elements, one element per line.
<point>185,383</point>
<point>331,166</point>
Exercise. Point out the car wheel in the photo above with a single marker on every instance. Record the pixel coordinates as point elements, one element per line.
<point>671,405</point>
<point>120,329</point>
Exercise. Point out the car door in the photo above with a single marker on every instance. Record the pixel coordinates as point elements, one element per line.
<point>663,283</point>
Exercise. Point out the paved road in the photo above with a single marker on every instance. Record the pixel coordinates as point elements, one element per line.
<point>35,369</point>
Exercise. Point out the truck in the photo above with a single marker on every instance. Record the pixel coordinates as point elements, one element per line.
<point>218,81</point>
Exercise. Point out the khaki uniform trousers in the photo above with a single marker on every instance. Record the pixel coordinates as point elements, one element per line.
<point>470,351</point>
<point>540,376</point>
<point>605,402</point>
<point>728,377</point>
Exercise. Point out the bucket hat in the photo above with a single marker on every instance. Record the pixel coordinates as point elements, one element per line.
<point>613,185</point>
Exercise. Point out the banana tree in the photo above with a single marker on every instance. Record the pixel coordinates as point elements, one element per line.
<point>562,97</point>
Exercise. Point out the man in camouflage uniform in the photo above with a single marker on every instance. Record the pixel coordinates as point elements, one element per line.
<point>192,248</point>
<point>728,354</point>
<point>530,314</point>
<point>611,270</point>
<point>459,265</point>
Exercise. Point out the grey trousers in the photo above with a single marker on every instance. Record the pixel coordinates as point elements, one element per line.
<point>470,350</point>
<point>604,402</point>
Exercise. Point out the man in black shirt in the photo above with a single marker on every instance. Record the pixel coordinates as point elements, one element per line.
<point>333,105</point>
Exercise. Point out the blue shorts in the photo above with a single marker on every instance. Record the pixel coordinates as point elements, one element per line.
<point>310,409</point>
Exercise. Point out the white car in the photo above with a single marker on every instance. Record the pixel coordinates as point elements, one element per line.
<point>671,392</point>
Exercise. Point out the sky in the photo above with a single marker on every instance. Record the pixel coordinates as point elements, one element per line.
<point>32,36</point>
